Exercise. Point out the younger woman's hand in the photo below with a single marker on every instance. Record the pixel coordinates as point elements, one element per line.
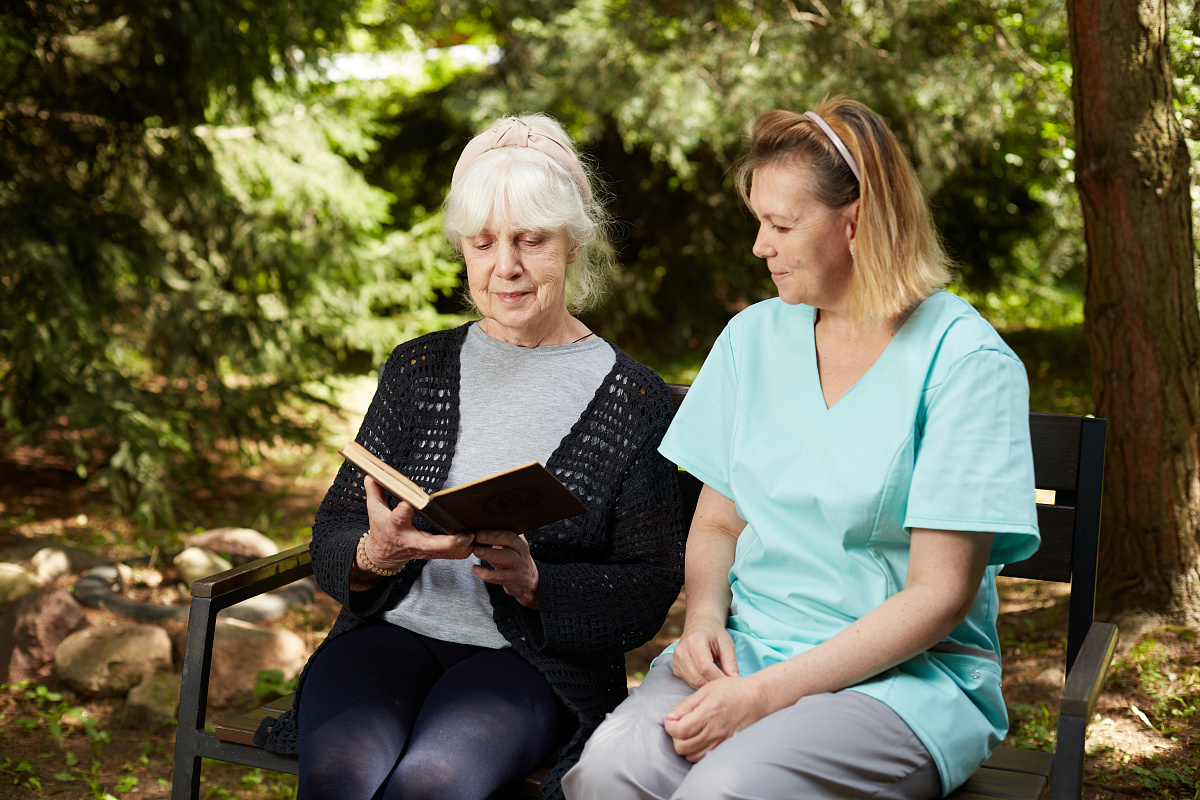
<point>712,714</point>
<point>512,567</point>
<point>705,652</point>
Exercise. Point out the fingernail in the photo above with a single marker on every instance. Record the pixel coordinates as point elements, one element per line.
<point>461,540</point>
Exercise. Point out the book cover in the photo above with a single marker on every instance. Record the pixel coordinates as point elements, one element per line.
<point>520,499</point>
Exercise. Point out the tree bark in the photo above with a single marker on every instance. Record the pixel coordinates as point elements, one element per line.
<point>1141,318</point>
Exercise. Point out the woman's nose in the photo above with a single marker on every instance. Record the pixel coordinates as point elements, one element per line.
<point>762,247</point>
<point>508,260</point>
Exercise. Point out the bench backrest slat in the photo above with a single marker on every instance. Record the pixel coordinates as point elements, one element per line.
<point>1055,450</point>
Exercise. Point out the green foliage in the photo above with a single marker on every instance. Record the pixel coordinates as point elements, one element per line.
<point>1032,727</point>
<point>1058,365</point>
<point>1184,38</point>
<point>663,94</point>
<point>53,714</point>
<point>1169,781</point>
<point>270,683</point>
<point>186,242</point>
<point>273,785</point>
<point>22,773</point>
<point>204,213</point>
<point>1175,695</point>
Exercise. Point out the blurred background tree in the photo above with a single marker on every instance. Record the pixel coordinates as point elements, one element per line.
<point>208,209</point>
<point>664,93</point>
<point>185,242</point>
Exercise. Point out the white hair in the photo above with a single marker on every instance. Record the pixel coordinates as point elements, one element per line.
<point>532,191</point>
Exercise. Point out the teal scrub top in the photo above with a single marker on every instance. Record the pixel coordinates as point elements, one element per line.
<point>934,435</point>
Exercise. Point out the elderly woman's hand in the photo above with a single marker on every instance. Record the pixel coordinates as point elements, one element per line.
<point>512,567</point>
<point>394,541</point>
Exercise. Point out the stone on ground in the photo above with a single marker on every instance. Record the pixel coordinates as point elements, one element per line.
<point>16,582</point>
<point>195,563</point>
<point>32,630</point>
<point>152,703</point>
<point>243,543</point>
<point>112,660</point>
<point>242,650</point>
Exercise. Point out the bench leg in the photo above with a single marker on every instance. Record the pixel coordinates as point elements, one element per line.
<point>193,700</point>
<point>1066,781</point>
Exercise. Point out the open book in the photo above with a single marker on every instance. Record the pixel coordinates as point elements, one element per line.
<point>518,499</point>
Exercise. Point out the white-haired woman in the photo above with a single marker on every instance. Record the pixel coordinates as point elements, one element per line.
<point>444,677</point>
<point>864,446</point>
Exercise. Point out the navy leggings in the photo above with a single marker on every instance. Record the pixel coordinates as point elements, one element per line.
<point>388,714</point>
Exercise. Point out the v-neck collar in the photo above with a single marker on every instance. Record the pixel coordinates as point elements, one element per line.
<point>815,369</point>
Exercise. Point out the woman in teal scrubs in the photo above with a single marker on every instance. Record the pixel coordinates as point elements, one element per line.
<point>863,441</point>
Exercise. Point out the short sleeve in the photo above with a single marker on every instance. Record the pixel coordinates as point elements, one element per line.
<point>974,461</point>
<point>701,435</point>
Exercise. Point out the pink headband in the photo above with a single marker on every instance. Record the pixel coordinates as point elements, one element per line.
<point>837,142</point>
<point>512,132</point>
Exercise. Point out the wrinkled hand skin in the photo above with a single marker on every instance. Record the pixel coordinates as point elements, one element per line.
<point>394,541</point>
<point>511,566</point>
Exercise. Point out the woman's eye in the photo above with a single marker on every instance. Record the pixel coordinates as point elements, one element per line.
<point>780,229</point>
<point>531,241</point>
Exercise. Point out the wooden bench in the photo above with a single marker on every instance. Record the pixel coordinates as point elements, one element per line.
<point>1068,460</point>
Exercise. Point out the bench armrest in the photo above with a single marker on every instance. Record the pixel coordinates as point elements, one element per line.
<point>1086,679</point>
<point>255,577</point>
<point>1076,705</point>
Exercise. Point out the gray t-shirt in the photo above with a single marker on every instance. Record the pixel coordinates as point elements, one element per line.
<point>515,405</point>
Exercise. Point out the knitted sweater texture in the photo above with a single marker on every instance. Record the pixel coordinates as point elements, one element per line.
<point>605,579</point>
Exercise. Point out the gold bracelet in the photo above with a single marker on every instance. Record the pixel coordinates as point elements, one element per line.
<point>368,563</point>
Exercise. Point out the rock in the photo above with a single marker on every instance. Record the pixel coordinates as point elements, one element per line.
<point>195,563</point>
<point>78,558</point>
<point>106,572</point>
<point>16,582</point>
<point>275,603</point>
<point>112,660</point>
<point>32,631</point>
<point>239,543</point>
<point>50,564</point>
<point>152,703</point>
<point>242,650</point>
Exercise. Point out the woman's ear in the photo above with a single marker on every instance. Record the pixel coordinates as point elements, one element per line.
<point>851,217</point>
<point>573,253</point>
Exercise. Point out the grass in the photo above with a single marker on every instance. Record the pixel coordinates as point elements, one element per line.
<point>1144,741</point>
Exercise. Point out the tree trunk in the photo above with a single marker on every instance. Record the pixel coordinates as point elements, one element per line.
<point>1141,318</point>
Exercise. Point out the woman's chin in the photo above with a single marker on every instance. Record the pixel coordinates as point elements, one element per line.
<point>517,325</point>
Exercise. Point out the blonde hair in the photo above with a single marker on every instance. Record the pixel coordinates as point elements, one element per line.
<point>899,259</point>
<point>536,192</point>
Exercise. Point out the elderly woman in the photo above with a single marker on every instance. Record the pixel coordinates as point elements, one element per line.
<point>863,441</point>
<point>462,662</point>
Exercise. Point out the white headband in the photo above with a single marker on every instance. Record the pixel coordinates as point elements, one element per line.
<point>837,142</point>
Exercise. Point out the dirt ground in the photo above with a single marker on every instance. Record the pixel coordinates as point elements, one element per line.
<point>1143,743</point>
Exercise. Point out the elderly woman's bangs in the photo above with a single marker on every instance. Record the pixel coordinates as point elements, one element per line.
<point>518,188</point>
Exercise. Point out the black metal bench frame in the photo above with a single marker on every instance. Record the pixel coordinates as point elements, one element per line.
<point>1068,459</point>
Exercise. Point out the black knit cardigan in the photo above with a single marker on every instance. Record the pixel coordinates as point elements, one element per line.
<point>605,579</point>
